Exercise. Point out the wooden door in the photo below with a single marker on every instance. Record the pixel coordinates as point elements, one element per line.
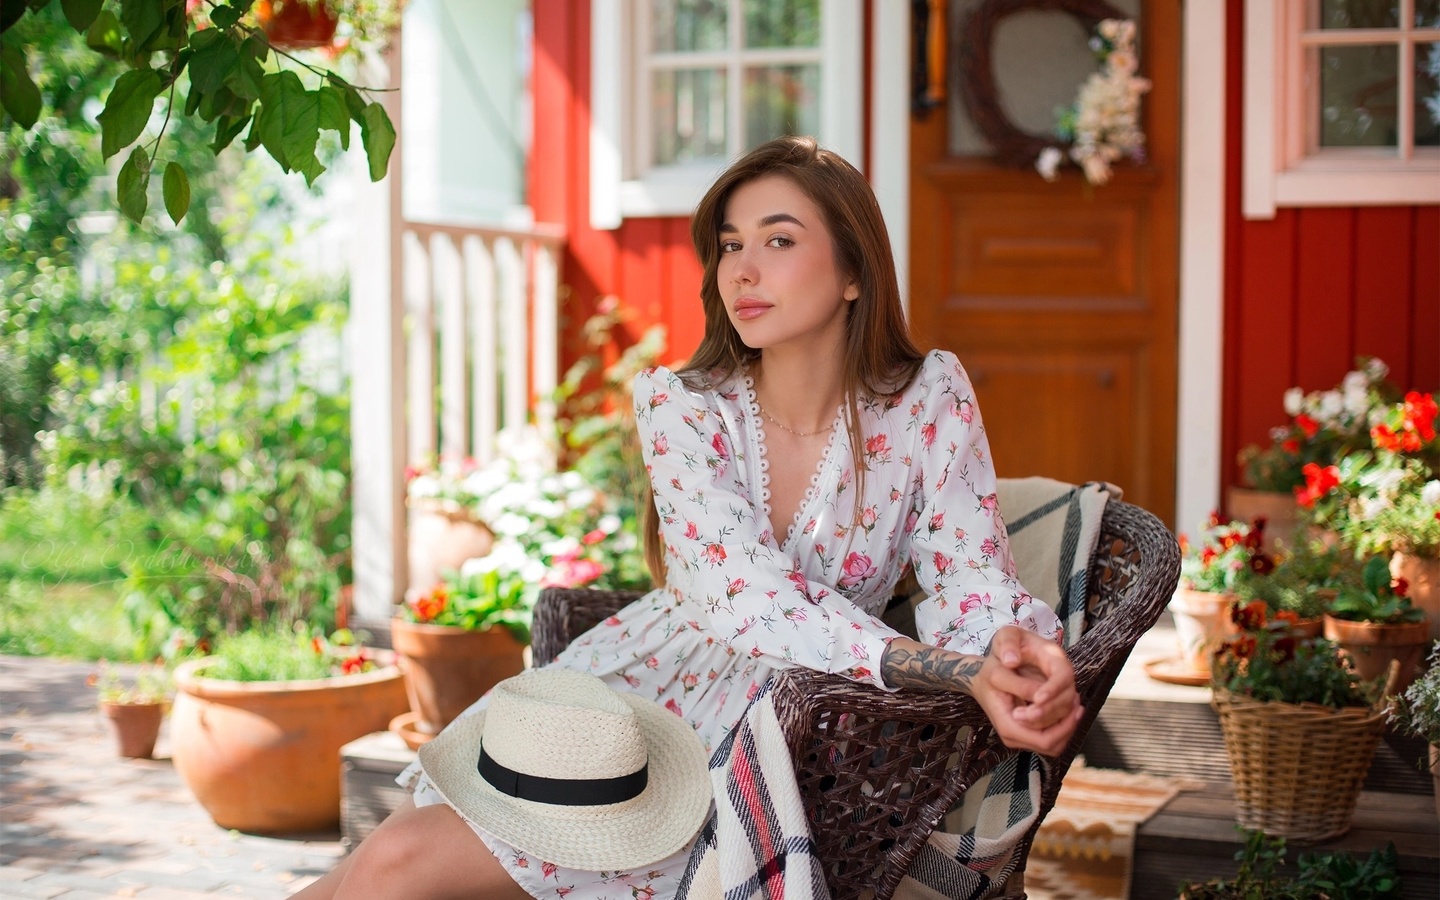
<point>1060,298</point>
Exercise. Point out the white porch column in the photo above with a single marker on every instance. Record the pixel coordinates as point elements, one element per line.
<point>377,379</point>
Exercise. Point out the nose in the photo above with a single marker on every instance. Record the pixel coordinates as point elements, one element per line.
<point>742,267</point>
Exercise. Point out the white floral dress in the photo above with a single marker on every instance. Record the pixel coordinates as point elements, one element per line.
<point>741,603</point>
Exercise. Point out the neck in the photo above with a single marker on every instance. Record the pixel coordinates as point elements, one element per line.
<point>799,390</point>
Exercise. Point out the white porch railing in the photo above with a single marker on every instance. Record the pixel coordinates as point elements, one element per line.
<point>482,334</point>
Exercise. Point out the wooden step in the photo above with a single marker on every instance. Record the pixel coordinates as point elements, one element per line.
<point>368,792</point>
<point>1194,838</point>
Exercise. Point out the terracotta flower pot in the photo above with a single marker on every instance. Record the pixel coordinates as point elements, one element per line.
<point>264,756</point>
<point>137,726</point>
<point>448,668</point>
<point>1423,574</point>
<point>1281,513</point>
<point>1201,619</point>
<point>1371,647</point>
<point>440,540</point>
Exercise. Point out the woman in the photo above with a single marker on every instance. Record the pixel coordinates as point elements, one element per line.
<point>806,456</point>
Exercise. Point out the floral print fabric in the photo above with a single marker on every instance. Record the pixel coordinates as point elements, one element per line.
<point>744,598</point>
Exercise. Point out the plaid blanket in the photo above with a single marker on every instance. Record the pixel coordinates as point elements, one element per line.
<point>756,844</point>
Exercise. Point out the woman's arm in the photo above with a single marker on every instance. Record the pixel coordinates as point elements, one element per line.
<point>1025,684</point>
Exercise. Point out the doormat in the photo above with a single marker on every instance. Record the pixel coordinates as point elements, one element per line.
<point>1084,848</point>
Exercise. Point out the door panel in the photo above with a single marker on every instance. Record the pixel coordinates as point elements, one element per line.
<point>1060,298</point>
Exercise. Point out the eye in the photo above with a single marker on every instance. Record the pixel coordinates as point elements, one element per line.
<point>729,246</point>
<point>781,241</point>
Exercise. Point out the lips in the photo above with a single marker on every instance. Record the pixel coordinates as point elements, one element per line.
<point>749,308</point>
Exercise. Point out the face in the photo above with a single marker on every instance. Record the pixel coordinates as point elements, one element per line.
<point>777,272</point>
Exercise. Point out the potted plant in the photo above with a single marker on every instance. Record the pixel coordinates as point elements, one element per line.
<point>1304,581</point>
<point>1417,710</point>
<point>258,726</point>
<point>1374,622</point>
<point>1320,876</point>
<point>135,707</point>
<point>1209,571</point>
<point>1323,426</point>
<point>1300,727</point>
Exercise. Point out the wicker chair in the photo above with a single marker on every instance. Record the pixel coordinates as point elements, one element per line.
<point>927,748</point>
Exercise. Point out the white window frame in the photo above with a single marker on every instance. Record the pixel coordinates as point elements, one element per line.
<point>619,190</point>
<point>1277,170</point>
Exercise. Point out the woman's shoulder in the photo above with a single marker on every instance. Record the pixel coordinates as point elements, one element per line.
<point>659,384</point>
<point>940,371</point>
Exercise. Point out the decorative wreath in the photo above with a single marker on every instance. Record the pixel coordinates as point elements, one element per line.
<point>1012,145</point>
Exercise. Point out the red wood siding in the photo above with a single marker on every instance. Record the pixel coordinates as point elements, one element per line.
<point>647,263</point>
<point>1310,290</point>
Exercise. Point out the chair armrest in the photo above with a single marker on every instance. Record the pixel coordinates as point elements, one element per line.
<point>563,614</point>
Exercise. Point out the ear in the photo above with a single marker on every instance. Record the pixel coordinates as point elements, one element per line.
<point>852,292</point>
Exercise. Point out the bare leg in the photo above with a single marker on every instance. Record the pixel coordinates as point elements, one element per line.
<point>426,853</point>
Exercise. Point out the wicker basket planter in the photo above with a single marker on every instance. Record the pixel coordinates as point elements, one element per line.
<point>1297,768</point>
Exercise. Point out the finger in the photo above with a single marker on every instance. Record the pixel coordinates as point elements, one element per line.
<point>1020,687</point>
<point>1007,645</point>
<point>1054,710</point>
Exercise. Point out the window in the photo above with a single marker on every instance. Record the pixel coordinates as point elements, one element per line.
<point>1342,103</point>
<point>680,87</point>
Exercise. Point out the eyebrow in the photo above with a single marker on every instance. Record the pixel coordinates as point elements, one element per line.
<point>772,219</point>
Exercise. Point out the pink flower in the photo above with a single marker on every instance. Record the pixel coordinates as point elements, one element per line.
<point>868,517</point>
<point>989,503</point>
<point>657,399</point>
<point>714,554</point>
<point>690,679</point>
<point>661,445</point>
<point>990,546</point>
<point>878,446</point>
<point>673,707</point>
<point>927,435</point>
<point>718,443</point>
<point>652,663</point>
<point>794,615</point>
<point>965,410</point>
<point>754,689</point>
<point>593,538</point>
<point>857,568</point>
<point>692,532</point>
<point>943,562</point>
<point>859,652</point>
<point>972,601</point>
<point>735,587</point>
<point>937,522</point>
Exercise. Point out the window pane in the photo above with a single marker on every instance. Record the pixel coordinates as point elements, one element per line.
<point>781,100</point>
<point>680,26</point>
<point>1357,95</point>
<point>689,114</point>
<point>1427,13</point>
<point>1358,14</point>
<point>782,23</point>
<point>1427,95</point>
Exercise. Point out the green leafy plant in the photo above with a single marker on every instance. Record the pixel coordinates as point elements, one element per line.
<point>1225,550</point>
<point>1322,875</point>
<point>1417,710</point>
<point>1304,581</point>
<point>489,593</point>
<point>1377,598</point>
<point>213,65</point>
<point>1267,661</point>
<point>280,654</point>
<point>149,684</point>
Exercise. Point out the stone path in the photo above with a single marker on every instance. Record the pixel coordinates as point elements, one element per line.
<point>77,822</point>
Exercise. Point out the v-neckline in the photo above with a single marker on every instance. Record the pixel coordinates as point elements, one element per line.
<point>786,542</point>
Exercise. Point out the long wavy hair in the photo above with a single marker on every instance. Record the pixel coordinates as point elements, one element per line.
<point>880,360</point>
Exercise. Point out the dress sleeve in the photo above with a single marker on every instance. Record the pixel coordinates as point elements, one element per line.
<point>959,547</point>
<point>722,557</point>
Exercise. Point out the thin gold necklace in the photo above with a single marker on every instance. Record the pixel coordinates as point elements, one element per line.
<point>782,425</point>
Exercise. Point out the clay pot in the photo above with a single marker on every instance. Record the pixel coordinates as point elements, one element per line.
<point>264,756</point>
<point>441,540</point>
<point>1423,574</point>
<point>448,668</point>
<point>137,726</point>
<point>1371,646</point>
<point>1201,619</point>
<point>1282,515</point>
<point>297,26</point>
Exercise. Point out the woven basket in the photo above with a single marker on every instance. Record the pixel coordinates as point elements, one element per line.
<point>1297,768</point>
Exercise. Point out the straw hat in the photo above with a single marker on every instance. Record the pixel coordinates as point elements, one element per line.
<point>574,772</point>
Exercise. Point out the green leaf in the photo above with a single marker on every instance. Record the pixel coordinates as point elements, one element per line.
<point>143,19</point>
<point>379,138</point>
<point>176,187</point>
<point>134,184</point>
<point>227,128</point>
<point>214,60</point>
<point>104,34</point>
<point>333,114</point>
<point>245,78</point>
<point>81,13</point>
<point>289,123</point>
<point>224,16</point>
<point>127,109</point>
<point>19,95</point>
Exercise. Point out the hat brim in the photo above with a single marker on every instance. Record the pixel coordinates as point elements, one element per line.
<point>654,825</point>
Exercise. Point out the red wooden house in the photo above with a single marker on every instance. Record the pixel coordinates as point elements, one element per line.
<point>1286,218</point>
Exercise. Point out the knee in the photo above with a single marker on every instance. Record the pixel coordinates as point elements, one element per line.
<point>398,846</point>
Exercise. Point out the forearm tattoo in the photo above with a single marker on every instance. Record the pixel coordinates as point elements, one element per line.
<point>929,668</point>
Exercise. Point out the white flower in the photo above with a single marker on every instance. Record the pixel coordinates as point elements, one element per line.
<point>1376,370</point>
<point>1331,405</point>
<point>424,486</point>
<point>1370,507</point>
<point>561,547</point>
<point>609,523</point>
<point>1430,493</point>
<point>1047,162</point>
<point>1356,401</point>
<point>1293,399</point>
<point>1387,481</point>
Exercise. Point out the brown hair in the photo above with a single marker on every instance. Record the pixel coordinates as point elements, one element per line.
<point>880,358</point>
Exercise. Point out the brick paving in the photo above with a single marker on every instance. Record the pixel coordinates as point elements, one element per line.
<point>77,822</point>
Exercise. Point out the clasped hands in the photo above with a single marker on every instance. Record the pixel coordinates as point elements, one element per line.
<point>1026,686</point>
